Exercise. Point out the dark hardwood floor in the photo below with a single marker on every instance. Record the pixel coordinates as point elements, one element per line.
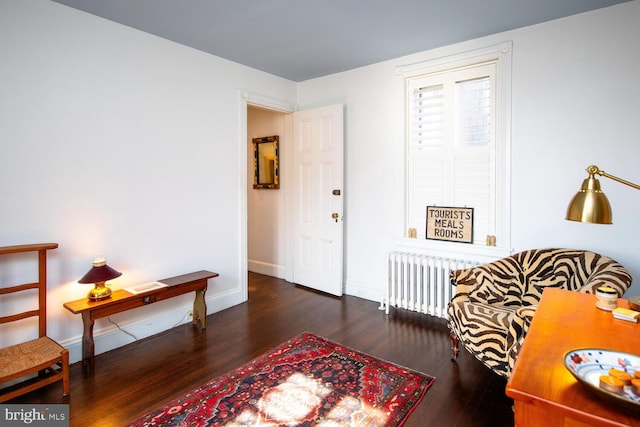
<point>134,379</point>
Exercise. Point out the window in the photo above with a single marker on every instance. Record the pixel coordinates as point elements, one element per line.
<point>457,140</point>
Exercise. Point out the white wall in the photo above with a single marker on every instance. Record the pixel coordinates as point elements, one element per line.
<point>575,103</point>
<point>117,142</point>
<point>266,207</point>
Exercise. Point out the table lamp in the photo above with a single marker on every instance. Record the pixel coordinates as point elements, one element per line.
<point>590,204</point>
<point>100,272</point>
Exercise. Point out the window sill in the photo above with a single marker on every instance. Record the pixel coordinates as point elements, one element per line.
<point>452,250</point>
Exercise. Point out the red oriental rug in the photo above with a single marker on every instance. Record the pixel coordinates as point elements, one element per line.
<point>306,381</point>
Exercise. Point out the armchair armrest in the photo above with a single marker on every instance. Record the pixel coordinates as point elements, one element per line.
<point>465,282</point>
<point>518,331</point>
<point>609,274</point>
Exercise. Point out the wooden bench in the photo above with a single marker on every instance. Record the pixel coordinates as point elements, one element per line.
<point>122,300</point>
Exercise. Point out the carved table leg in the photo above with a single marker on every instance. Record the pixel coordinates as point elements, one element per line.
<point>88,346</point>
<point>200,309</point>
<point>455,349</point>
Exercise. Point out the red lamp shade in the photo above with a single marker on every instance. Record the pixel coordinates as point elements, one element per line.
<point>100,272</point>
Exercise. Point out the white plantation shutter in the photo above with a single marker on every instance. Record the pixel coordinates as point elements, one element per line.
<point>427,126</point>
<point>451,146</point>
<point>473,112</point>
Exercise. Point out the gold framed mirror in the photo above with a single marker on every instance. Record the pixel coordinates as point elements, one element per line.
<point>265,162</point>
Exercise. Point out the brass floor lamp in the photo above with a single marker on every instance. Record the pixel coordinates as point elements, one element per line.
<point>590,204</point>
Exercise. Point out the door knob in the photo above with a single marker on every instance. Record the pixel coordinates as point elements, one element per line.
<point>335,216</point>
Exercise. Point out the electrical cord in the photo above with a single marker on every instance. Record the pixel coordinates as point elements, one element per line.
<point>118,326</point>
<point>186,315</point>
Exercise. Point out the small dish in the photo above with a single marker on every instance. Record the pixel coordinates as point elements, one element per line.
<point>588,364</point>
<point>145,287</point>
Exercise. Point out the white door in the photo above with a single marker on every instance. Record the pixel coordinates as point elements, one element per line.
<point>318,198</point>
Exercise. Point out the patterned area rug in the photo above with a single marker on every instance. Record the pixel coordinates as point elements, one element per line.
<point>306,381</point>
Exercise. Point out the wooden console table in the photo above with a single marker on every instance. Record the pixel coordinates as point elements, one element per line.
<point>544,391</point>
<point>121,300</point>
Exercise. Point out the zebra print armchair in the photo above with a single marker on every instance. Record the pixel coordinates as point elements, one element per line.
<point>494,303</point>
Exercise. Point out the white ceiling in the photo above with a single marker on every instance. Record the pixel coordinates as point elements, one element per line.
<point>304,39</point>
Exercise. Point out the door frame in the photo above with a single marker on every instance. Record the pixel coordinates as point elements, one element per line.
<point>248,98</point>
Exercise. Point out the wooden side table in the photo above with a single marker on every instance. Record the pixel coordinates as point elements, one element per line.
<point>121,300</point>
<point>545,393</point>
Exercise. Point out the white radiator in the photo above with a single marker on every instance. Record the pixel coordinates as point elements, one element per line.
<point>420,282</point>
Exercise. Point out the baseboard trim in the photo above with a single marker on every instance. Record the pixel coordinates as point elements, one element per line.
<point>111,337</point>
<point>268,269</point>
<point>362,291</point>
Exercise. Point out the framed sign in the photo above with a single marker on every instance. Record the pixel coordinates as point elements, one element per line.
<point>450,224</point>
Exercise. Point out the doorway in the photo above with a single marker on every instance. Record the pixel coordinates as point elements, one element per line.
<point>266,209</point>
<point>275,245</point>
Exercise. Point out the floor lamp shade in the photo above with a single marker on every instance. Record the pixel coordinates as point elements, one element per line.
<point>590,204</point>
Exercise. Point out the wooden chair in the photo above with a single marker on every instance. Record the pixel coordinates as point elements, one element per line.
<point>42,356</point>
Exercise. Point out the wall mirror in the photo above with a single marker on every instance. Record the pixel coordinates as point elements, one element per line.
<point>265,162</point>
